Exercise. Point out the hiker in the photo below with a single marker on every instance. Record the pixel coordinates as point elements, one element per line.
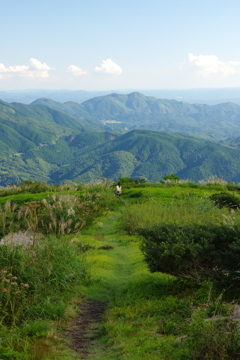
<point>118,189</point>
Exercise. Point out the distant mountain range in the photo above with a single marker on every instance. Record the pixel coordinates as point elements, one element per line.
<point>137,111</point>
<point>118,135</point>
<point>210,96</point>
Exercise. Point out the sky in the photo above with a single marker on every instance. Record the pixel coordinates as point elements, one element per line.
<point>119,45</point>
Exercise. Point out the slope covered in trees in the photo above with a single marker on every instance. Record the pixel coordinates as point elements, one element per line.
<point>53,142</point>
<point>137,111</point>
<point>139,154</point>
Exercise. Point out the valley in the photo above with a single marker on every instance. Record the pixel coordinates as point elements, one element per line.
<point>115,136</point>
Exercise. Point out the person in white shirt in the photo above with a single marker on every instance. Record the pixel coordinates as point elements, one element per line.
<point>118,189</point>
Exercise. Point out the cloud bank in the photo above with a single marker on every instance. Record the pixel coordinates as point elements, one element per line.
<point>35,69</point>
<point>109,67</point>
<point>38,69</point>
<point>210,64</point>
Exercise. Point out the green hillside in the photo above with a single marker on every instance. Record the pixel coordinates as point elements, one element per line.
<point>41,117</point>
<point>233,141</point>
<point>137,111</point>
<point>152,155</point>
<point>138,154</point>
<point>97,155</point>
<point>42,143</point>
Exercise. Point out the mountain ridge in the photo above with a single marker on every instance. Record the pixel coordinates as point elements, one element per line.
<point>43,142</point>
<point>121,112</point>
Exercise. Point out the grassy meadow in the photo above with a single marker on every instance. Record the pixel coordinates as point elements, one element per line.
<point>87,244</point>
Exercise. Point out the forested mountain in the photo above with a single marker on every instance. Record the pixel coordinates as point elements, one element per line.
<point>136,111</point>
<point>152,155</point>
<point>53,142</point>
<point>34,126</point>
<point>233,141</point>
<point>146,154</point>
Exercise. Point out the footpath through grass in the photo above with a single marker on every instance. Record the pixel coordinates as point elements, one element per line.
<point>119,276</point>
<point>154,315</point>
<point>149,315</point>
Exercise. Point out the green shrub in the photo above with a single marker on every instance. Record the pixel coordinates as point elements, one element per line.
<point>171,177</point>
<point>195,251</point>
<point>232,187</point>
<point>226,200</point>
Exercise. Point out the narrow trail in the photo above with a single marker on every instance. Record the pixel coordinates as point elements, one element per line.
<point>112,259</point>
<point>83,330</point>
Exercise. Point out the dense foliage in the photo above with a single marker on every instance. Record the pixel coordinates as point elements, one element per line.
<point>226,200</point>
<point>193,252</point>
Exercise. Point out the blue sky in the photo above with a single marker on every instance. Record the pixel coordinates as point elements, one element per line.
<point>127,44</point>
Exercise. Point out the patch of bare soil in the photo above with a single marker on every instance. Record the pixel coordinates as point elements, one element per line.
<point>83,330</point>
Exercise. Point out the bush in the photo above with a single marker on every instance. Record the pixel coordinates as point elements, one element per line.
<point>232,187</point>
<point>171,177</point>
<point>194,252</point>
<point>226,200</point>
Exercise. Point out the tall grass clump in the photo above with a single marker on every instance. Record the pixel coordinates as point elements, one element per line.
<point>213,340</point>
<point>37,284</point>
<point>185,211</point>
<point>40,275</point>
<point>57,214</point>
<point>37,277</point>
<point>13,297</point>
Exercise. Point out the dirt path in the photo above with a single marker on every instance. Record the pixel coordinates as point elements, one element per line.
<point>112,260</point>
<point>83,330</point>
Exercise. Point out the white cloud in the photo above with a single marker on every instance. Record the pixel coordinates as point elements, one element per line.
<point>210,64</point>
<point>36,69</point>
<point>11,70</point>
<point>37,65</point>
<point>75,70</point>
<point>109,67</point>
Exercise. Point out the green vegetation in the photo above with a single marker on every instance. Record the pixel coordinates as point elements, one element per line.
<point>40,269</point>
<point>226,200</point>
<point>136,111</point>
<point>146,138</point>
<point>197,252</point>
<point>138,154</point>
<point>164,258</point>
